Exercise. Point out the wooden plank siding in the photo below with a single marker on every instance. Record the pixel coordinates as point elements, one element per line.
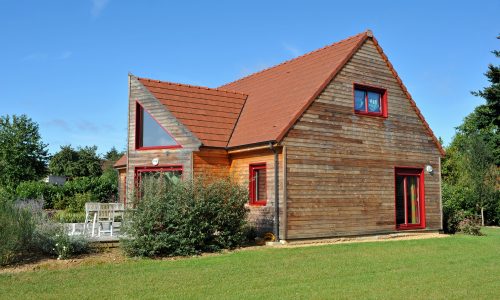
<point>142,158</point>
<point>340,165</point>
<point>122,176</point>
<point>211,162</point>
<point>261,216</point>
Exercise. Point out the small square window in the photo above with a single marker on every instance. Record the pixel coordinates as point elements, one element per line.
<point>370,101</point>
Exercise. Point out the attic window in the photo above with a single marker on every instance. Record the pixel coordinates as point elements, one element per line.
<point>370,100</point>
<point>150,134</point>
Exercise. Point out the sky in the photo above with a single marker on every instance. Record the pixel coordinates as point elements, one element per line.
<point>65,64</point>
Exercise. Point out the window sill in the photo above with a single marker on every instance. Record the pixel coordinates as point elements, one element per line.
<point>368,114</point>
<point>257,204</point>
<point>410,227</point>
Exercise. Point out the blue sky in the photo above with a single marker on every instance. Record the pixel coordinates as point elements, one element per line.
<point>65,63</point>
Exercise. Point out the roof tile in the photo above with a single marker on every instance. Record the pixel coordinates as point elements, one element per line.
<point>278,95</point>
<point>210,114</point>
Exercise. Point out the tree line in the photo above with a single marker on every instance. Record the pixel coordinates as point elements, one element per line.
<point>25,160</point>
<point>470,170</point>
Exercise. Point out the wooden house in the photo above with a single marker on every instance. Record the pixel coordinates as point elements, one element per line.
<point>329,143</point>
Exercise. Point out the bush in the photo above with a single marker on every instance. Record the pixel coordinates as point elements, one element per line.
<point>52,238</point>
<point>47,192</point>
<point>65,216</point>
<point>186,218</point>
<point>7,195</point>
<point>470,225</point>
<point>16,232</point>
<point>106,187</point>
<point>101,189</point>
<point>97,189</point>
<point>26,231</point>
<point>76,203</point>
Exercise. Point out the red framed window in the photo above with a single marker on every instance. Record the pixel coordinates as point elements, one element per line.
<point>410,198</point>
<point>150,134</point>
<point>370,100</point>
<point>168,172</point>
<point>258,184</point>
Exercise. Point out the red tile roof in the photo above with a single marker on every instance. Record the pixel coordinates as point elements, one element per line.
<point>122,162</point>
<point>267,103</point>
<point>279,95</point>
<point>210,114</point>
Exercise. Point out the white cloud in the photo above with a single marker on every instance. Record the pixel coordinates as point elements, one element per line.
<point>247,70</point>
<point>98,6</point>
<point>35,56</point>
<point>65,55</point>
<point>60,124</point>
<point>292,50</point>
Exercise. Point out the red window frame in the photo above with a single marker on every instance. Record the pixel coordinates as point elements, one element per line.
<point>124,189</point>
<point>411,171</point>
<point>252,184</point>
<point>138,132</point>
<point>161,168</point>
<point>368,88</point>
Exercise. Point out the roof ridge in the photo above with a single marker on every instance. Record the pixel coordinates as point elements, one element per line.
<point>192,86</point>
<point>367,32</point>
<point>409,97</point>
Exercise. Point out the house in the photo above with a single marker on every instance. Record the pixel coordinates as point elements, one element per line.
<point>57,180</point>
<point>330,143</point>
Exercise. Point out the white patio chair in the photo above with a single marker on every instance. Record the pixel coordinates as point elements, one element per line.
<point>119,214</point>
<point>106,216</point>
<point>91,209</point>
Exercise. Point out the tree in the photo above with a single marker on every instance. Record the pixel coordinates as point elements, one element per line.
<point>486,118</point>
<point>23,155</point>
<point>470,167</point>
<point>76,163</point>
<point>492,93</point>
<point>63,163</point>
<point>113,155</point>
<point>110,158</point>
<point>89,162</point>
<point>480,175</point>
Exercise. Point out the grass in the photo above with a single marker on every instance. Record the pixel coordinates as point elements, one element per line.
<point>455,267</point>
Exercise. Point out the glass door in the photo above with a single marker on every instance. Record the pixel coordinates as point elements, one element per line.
<point>408,198</point>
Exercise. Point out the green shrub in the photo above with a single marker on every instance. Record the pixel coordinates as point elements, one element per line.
<point>106,187</point>
<point>16,232</point>
<point>39,190</point>
<point>455,201</point>
<point>470,225</point>
<point>77,202</point>
<point>101,189</point>
<point>65,216</point>
<point>7,195</point>
<point>186,218</point>
<point>51,238</point>
<point>26,231</point>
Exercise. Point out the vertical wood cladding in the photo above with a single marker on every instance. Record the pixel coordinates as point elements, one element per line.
<point>340,165</point>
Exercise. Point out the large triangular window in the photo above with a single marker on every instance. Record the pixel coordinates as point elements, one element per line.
<point>150,134</point>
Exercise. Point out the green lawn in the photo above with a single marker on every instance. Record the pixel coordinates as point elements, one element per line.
<point>454,267</point>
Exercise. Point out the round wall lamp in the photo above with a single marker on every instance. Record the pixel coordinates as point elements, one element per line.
<point>429,169</point>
